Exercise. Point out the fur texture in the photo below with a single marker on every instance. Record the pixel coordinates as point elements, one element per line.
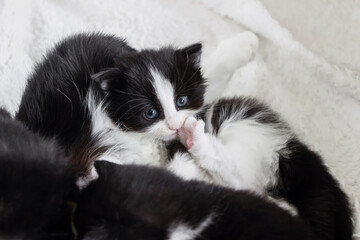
<point>127,202</point>
<point>94,94</point>
<point>301,90</point>
<point>247,146</point>
<point>35,181</point>
<point>134,202</point>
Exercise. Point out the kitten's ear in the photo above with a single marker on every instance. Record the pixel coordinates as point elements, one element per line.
<point>193,53</point>
<point>106,78</point>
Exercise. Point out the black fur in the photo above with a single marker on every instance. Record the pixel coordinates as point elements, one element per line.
<point>129,86</point>
<point>55,105</point>
<point>35,181</point>
<point>54,101</point>
<point>303,179</point>
<point>134,202</point>
<point>126,202</point>
<point>174,147</point>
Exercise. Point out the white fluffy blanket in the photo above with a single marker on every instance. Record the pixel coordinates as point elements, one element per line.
<point>307,71</point>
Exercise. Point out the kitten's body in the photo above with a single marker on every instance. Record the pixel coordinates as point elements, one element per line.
<point>91,93</point>
<point>245,145</point>
<point>35,181</point>
<point>126,202</point>
<point>134,202</point>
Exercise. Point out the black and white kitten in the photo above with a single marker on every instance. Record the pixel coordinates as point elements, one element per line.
<point>37,200</point>
<point>243,144</point>
<point>95,94</point>
<point>103,100</point>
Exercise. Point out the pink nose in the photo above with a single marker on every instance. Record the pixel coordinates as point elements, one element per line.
<point>173,128</point>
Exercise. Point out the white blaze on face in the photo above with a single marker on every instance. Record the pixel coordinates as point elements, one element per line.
<point>165,94</point>
<point>174,119</point>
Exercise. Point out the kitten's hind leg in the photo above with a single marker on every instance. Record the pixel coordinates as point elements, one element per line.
<point>230,55</point>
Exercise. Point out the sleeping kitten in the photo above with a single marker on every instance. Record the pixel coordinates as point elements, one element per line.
<point>103,100</point>
<point>126,202</point>
<point>245,145</point>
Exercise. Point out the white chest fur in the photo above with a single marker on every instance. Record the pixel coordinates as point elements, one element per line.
<point>122,147</point>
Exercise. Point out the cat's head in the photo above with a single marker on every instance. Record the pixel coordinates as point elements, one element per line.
<point>154,91</point>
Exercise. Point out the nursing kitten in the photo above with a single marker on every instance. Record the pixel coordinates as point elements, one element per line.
<point>103,100</point>
<point>39,200</point>
<point>243,144</point>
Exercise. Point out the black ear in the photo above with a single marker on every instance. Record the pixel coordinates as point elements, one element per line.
<point>106,78</point>
<point>193,53</point>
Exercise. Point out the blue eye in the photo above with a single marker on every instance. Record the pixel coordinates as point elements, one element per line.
<point>182,101</point>
<point>151,113</point>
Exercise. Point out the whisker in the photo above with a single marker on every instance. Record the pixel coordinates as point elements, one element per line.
<point>66,98</point>
<point>127,93</point>
<point>76,87</point>
<point>140,104</point>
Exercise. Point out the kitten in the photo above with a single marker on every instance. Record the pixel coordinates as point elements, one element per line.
<point>243,144</point>
<point>99,98</point>
<point>35,180</point>
<point>103,100</point>
<point>38,200</point>
<point>138,202</point>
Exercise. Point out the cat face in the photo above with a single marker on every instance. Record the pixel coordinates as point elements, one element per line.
<point>154,91</point>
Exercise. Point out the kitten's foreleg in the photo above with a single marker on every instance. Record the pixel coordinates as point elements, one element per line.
<point>184,166</point>
<point>230,55</point>
<point>212,155</point>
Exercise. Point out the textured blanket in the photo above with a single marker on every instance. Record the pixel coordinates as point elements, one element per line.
<point>307,67</point>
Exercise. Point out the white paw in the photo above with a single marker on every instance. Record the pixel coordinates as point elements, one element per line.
<point>184,166</point>
<point>237,51</point>
<point>192,132</point>
<point>84,181</point>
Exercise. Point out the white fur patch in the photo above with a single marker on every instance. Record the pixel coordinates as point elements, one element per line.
<point>282,203</point>
<point>165,93</point>
<point>82,182</point>
<point>230,55</point>
<point>181,231</point>
<point>184,166</point>
<point>124,147</point>
<point>244,154</point>
<point>174,119</point>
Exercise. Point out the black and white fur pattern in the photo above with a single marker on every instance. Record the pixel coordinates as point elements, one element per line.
<point>138,202</point>
<point>244,145</point>
<point>39,200</point>
<point>100,88</point>
<point>91,93</point>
